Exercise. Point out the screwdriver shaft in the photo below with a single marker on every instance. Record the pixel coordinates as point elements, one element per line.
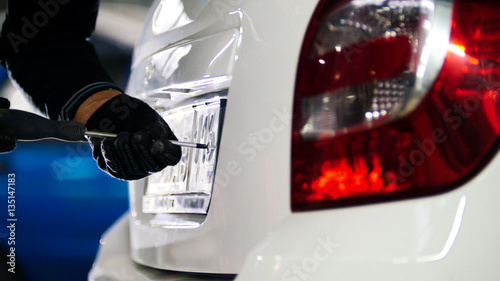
<point>189,144</point>
<point>100,134</point>
<point>179,143</point>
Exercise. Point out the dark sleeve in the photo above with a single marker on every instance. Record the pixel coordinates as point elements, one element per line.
<point>44,46</point>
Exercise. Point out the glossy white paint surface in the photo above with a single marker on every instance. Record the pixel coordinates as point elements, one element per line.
<point>251,192</point>
<point>249,228</point>
<point>452,236</point>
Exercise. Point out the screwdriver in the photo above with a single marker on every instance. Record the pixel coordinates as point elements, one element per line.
<point>179,143</point>
<point>31,127</point>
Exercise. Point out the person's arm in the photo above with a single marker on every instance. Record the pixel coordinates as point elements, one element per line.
<point>45,47</point>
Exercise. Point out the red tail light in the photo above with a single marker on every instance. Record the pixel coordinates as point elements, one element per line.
<point>394,99</point>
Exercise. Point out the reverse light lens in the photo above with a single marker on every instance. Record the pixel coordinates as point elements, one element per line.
<point>394,99</point>
<point>361,65</point>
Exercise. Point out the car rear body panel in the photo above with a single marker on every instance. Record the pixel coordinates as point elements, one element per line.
<point>251,190</point>
<point>250,49</point>
<point>452,236</point>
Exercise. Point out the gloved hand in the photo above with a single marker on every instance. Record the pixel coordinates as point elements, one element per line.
<point>142,145</point>
<point>8,137</point>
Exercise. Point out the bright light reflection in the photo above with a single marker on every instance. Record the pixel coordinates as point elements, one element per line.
<point>457,49</point>
<point>451,238</point>
<point>169,15</point>
<point>222,51</point>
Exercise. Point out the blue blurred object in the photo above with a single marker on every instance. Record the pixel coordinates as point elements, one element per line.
<point>3,75</point>
<point>63,205</point>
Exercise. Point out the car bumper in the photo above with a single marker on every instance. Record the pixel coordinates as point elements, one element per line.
<point>113,262</point>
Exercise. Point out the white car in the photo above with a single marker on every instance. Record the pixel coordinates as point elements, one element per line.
<point>348,140</point>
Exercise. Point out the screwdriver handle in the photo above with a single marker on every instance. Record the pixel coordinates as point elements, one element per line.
<point>30,127</point>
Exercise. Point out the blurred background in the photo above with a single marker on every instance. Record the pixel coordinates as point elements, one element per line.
<point>64,203</point>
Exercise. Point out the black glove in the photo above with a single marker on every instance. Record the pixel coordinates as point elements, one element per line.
<point>8,137</point>
<point>142,145</point>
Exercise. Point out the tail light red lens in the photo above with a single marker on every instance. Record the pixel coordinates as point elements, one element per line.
<point>394,99</point>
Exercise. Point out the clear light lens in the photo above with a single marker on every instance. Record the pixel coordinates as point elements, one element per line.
<point>325,115</point>
<point>352,26</point>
